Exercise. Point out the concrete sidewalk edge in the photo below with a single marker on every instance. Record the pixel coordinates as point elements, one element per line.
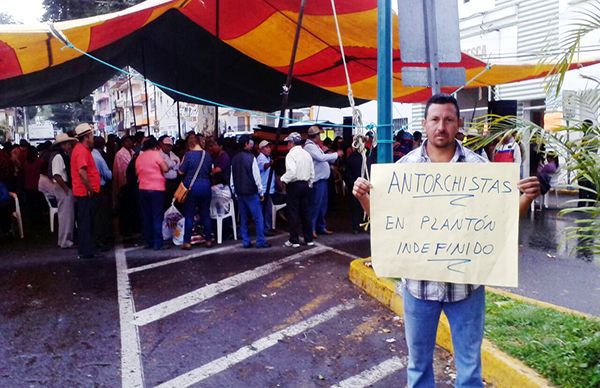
<point>499,368</point>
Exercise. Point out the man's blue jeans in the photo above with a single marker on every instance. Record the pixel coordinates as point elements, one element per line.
<point>250,206</point>
<point>466,317</point>
<point>320,196</point>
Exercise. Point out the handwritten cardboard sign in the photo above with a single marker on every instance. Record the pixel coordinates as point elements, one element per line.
<point>449,222</point>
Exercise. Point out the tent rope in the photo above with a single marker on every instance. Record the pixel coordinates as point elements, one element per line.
<point>359,139</point>
<point>68,44</point>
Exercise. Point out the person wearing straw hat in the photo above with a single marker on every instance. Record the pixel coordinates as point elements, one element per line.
<point>320,191</point>
<point>86,186</point>
<point>60,172</point>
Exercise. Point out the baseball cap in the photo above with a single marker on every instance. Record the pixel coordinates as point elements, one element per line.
<point>263,143</point>
<point>294,137</point>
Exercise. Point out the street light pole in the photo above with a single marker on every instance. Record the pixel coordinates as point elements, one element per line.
<point>384,81</point>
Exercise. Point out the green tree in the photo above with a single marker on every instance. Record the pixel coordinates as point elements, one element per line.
<point>59,10</point>
<point>66,116</point>
<point>7,19</point>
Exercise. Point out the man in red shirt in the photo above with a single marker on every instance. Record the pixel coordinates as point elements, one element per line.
<point>86,186</point>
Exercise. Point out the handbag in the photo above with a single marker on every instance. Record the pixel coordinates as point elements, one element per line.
<point>182,191</point>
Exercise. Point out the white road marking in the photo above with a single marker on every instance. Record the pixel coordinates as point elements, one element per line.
<point>179,259</point>
<point>192,298</point>
<point>374,374</point>
<point>339,251</point>
<point>225,362</point>
<point>132,373</point>
<point>188,257</point>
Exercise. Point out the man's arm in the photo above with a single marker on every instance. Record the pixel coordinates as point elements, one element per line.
<point>290,169</point>
<point>85,180</point>
<point>163,166</point>
<point>257,178</point>
<point>103,167</point>
<point>61,183</point>
<point>318,155</point>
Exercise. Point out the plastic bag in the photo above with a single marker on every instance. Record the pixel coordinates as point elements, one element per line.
<point>170,220</point>
<point>221,197</point>
<point>178,232</point>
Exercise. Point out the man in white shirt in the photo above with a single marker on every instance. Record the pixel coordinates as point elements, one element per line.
<point>320,191</point>
<point>60,172</point>
<point>299,176</point>
<point>264,166</point>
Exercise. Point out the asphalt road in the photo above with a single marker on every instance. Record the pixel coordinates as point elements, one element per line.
<point>225,316</point>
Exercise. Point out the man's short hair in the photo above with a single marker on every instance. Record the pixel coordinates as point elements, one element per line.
<point>244,139</point>
<point>442,99</point>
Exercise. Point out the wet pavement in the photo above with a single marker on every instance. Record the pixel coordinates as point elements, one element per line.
<point>228,316</point>
<point>550,268</point>
<point>225,316</point>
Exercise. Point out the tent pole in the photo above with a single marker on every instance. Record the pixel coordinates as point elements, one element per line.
<point>178,121</point>
<point>285,97</point>
<point>146,88</point>
<point>132,106</point>
<point>217,68</point>
<point>384,81</point>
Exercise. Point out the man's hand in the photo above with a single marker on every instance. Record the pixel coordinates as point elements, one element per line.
<point>361,188</point>
<point>530,187</point>
<point>340,153</point>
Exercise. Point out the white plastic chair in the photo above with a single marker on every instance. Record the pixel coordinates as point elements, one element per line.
<point>276,208</point>
<point>215,216</point>
<point>53,212</point>
<point>17,214</point>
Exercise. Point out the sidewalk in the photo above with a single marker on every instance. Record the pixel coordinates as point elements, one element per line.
<point>549,267</point>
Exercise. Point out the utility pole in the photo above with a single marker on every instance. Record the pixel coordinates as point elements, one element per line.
<point>384,81</point>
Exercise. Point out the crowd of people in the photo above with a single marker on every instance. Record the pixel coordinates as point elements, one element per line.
<point>99,185</point>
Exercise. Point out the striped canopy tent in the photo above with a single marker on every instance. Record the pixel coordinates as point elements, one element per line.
<point>233,52</point>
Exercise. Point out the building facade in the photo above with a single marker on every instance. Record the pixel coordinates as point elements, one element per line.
<point>522,31</point>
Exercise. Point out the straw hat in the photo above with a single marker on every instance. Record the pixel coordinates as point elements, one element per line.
<point>83,129</point>
<point>314,130</point>
<point>63,137</point>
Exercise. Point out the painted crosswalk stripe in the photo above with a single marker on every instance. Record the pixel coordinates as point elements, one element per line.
<point>195,255</point>
<point>132,374</point>
<point>340,252</point>
<point>374,374</point>
<point>225,362</point>
<point>192,298</point>
<point>179,259</point>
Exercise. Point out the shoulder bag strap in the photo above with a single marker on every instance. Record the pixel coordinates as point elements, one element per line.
<point>197,170</point>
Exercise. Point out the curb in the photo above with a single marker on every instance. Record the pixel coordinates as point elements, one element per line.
<point>498,368</point>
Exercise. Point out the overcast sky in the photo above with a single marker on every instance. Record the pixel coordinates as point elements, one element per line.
<point>24,11</point>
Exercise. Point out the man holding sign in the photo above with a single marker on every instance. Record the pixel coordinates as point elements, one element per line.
<point>424,297</point>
